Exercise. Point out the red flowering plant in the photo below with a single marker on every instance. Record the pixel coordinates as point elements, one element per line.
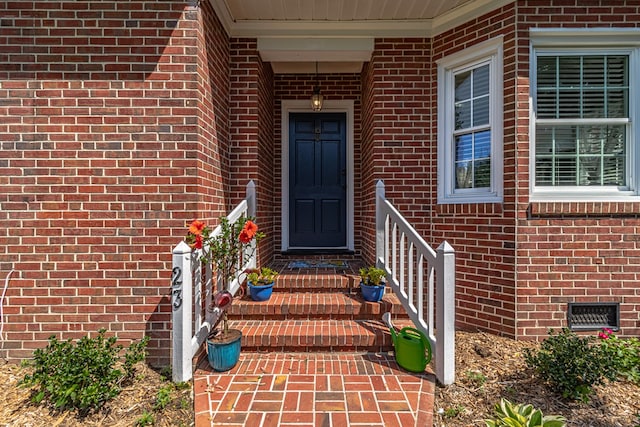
<point>605,334</point>
<point>622,353</point>
<point>226,248</point>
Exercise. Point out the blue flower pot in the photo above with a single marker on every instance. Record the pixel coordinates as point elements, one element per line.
<point>372,293</point>
<point>223,354</point>
<point>260,292</point>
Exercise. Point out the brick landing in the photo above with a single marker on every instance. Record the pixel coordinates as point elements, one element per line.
<point>313,389</point>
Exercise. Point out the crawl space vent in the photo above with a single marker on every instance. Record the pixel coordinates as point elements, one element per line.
<point>593,316</point>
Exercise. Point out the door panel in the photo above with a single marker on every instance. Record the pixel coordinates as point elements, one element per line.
<point>317,187</point>
<point>305,209</point>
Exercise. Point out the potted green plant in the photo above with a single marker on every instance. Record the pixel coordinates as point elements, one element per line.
<point>260,282</point>
<point>372,283</point>
<point>225,251</point>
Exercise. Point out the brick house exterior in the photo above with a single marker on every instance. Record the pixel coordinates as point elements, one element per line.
<point>122,121</point>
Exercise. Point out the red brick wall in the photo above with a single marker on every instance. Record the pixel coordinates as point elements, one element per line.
<point>212,150</point>
<point>252,154</point>
<point>399,147</point>
<point>366,178</point>
<point>300,87</point>
<point>102,151</point>
<point>267,161</point>
<point>583,252</point>
<point>483,235</point>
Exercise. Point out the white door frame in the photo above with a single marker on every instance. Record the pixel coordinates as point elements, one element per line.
<point>303,106</point>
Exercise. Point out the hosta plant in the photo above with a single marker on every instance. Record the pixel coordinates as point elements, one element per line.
<point>513,415</point>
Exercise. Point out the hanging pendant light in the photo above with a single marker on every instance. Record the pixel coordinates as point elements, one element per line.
<point>316,98</point>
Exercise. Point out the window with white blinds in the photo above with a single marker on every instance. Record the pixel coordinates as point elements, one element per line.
<point>470,125</point>
<point>582,120</point>
<point>584,140</point>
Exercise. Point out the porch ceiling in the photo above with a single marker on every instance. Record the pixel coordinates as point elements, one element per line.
<point>284,28</point>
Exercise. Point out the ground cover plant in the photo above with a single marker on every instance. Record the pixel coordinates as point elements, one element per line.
<point>490,368</point>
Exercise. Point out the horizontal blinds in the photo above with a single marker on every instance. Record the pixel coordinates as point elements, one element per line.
<point>592,88</point>
<point>582,87</point>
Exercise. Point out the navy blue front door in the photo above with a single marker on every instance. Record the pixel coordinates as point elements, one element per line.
<point>317,180</point>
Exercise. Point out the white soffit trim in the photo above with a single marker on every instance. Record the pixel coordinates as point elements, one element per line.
<point>369,28</point>
<point>465,13</point>
<point>223,13</point>
<point>315,49</point>
<point>417,28</point>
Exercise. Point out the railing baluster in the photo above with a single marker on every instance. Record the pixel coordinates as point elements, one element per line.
<point>382,228</point>
<point>386,242</point>
<point>410,290</point>
<point>196,267</point>
<point>430,295</point>
<point>401,259</point>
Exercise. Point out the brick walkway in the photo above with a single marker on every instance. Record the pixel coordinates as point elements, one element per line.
<point>313,389</point>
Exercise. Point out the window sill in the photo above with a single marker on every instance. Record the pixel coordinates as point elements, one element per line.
<point>584,208</point>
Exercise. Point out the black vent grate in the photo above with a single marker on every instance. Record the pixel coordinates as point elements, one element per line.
<point>593,316</point>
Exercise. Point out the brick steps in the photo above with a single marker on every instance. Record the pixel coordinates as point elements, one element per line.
<point>315,335</point>
<point>317,310</point>
<point>315,306</point>
<point>308,281</point>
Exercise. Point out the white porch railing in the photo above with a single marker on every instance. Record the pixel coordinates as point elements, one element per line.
<point>191,293</point>
<point>417,273</point>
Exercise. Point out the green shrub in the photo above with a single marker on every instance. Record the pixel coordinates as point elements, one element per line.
<point>624,354</point>
<point>512,415</point>
<point>163,398</point>
<point>84,375</point>
<point>571,365</point>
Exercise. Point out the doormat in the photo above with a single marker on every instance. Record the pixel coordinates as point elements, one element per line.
<point>318,264</point>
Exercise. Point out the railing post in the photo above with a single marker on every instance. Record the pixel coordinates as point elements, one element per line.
<point>380,219</point>
<point>445,314</point>
<point>181,306</point>
<point>251,199</point>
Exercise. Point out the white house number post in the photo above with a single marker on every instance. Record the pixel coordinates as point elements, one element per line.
<point>181,301</point>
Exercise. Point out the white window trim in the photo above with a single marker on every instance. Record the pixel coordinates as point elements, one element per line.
<point>597,41</point>
<point>488,52</point>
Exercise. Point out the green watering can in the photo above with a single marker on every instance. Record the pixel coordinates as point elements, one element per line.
<point>413,350</point>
